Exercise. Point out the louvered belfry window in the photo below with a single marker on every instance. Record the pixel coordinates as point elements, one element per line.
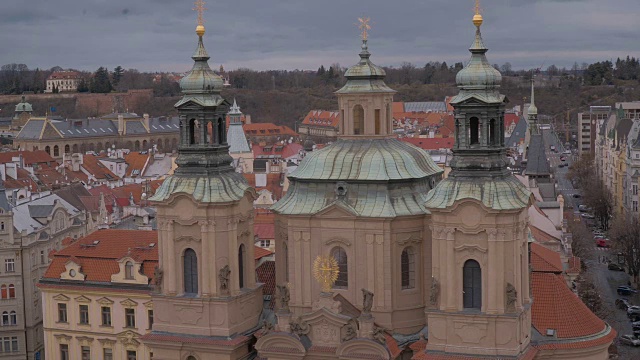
<point>190,272</point>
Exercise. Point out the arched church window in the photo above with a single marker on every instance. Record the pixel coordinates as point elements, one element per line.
<point>407,268</point>
<point>340,255</point>
<point>358,120</point>
<point>137,145</point>
<point>241,265</point>
<point>472,285</point>
<point>493,135</point>
<point>128,270</point>
<point>190,265</point>
<point>377,121</point>
<point>221,131</point>
<point>191,358</point>
<point>56,150</point>
<point>47,149</point>
<point>474,131</point>
<point>67,149</point>
<point>193,123</point>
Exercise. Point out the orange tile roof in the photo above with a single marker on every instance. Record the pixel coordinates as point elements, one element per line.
<point>545,260</point>
<point>135,161</point>
<point>431,143</point>
<point>266,274</point>
<point>529,355</point>
<point>98,262</point>
<point>541,235</point>
<point>273,184</point>
<point>97,169</point>
<point>322,118</point>
<point>397,107</point>
<point>261,252</point>
<point>285,151</point>
<point>267,129</point>
<point>29,157</point>
<point>556,307</point>
<point>61,75</point>
<point>574,265</point>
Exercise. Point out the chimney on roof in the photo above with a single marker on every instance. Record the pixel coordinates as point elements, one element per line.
<point>21,161</point>
<point>120,124</point>
<point>247,119</point>
<point>76,161</point>
<point>145,118</point>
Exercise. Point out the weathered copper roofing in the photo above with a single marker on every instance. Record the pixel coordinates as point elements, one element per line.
<point>201,79</point>
<point>478,79</point>
<point>496,193</point>
<point>368,178</point>
<point>367,160</point>
<point>222,188</point>
<point>365,76</point>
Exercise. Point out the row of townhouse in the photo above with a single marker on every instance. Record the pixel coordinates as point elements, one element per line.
<point>617,156</point>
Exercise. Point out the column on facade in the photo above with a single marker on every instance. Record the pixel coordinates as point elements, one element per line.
<point>172,259</point>
<point>206,254</point>
<point>492,273</point>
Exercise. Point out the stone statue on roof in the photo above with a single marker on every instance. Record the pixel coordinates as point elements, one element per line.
<point>223,277</point>
<point>283,297</point>
<point>367,301</point>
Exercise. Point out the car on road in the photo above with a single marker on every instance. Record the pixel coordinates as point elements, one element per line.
<point>583,208</point>
<point>561,165</point>
<point>603,243</point>
<point>623,304</point>
<point>587,216</point>
<point>563,158</point>
<point>615,267</point>
<point>576,196</point>
<point>633,311</point>
<point>630,340</point>
<point>567,152</point>
<point>626,290</point>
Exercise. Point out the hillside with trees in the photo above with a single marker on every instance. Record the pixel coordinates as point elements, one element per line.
<point>285,97</point>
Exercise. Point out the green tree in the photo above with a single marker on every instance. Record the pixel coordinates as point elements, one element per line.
<point>100,82</point>
<point>83,86</point>
<point>117,75</point>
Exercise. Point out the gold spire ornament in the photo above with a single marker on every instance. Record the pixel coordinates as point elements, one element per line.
<point>200,9</point>
<point>325,270</point>
<point>364,27</point>
<point>477,18</point>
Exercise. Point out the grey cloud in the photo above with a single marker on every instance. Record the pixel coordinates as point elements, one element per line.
<point>285,34</point>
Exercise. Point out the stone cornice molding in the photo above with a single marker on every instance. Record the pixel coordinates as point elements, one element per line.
<point>338,240</point>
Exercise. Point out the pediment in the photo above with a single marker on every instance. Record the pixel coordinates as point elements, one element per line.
<point>274,342</point>
<point>362,348</point>
<point>324,315</point>
<point>325,327</point>
<point>104,301</point>
<point>83,299</point>
<point>337,209</point>
<point>148,304</point>
<point>128,303</point>
<point>61,297</point>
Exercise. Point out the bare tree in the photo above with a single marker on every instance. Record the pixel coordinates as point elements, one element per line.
<point>625,235</point>
<point>598,198</point>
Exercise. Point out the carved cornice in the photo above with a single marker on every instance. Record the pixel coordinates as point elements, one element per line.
<point>83,299</point>
<point>471,248</point>
<point>128,303</point>
<point>414,239</point>
<point>107,342</point>
<point>104,301</point>
<point>62,337</point>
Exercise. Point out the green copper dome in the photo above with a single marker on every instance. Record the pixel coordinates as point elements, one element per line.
<point>368,177</point>
<point>478,74</point>
<point>365,76</point>
<point>201,79</point>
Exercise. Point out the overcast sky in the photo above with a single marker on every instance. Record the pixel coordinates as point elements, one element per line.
<point>158,35</point>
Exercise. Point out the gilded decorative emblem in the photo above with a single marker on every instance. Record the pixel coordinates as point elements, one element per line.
<point>200,10</point>
<point>364,27</point>
<point>325,270</point>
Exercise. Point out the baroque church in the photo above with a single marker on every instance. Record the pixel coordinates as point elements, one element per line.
<point>377,256</point>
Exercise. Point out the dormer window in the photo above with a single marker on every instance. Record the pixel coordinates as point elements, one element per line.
<point>128,270</point>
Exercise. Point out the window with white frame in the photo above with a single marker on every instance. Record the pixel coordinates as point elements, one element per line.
<point>9,265</point>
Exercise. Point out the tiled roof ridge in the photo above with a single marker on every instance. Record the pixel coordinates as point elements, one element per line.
<point>548,256</point>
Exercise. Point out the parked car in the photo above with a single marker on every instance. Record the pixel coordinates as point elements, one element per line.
<point>587,216</point>
<point>583,208</point>
<point>567,152</point>
<point>561,165</point>
<point>615,267</point>
<point>577,196</point>
<point>633,310</point>
<point>562,158</point>
<point>604,243</point>
<point>623,304</point>
<point>635,324</point>
<point>630,340</point>
<point>626,290</point>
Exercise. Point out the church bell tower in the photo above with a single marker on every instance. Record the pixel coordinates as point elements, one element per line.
<point>206,299</point>
<point>480,302</point>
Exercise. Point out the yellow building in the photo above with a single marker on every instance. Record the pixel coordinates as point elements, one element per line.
<point>96,296</point>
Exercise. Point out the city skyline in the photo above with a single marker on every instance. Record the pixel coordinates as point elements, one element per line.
<point>154,35</point>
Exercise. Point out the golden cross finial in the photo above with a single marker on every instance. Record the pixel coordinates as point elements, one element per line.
<point>200,9</point>
<point>325,270</point>
<point>477,18</point>
<point>364,27</point>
